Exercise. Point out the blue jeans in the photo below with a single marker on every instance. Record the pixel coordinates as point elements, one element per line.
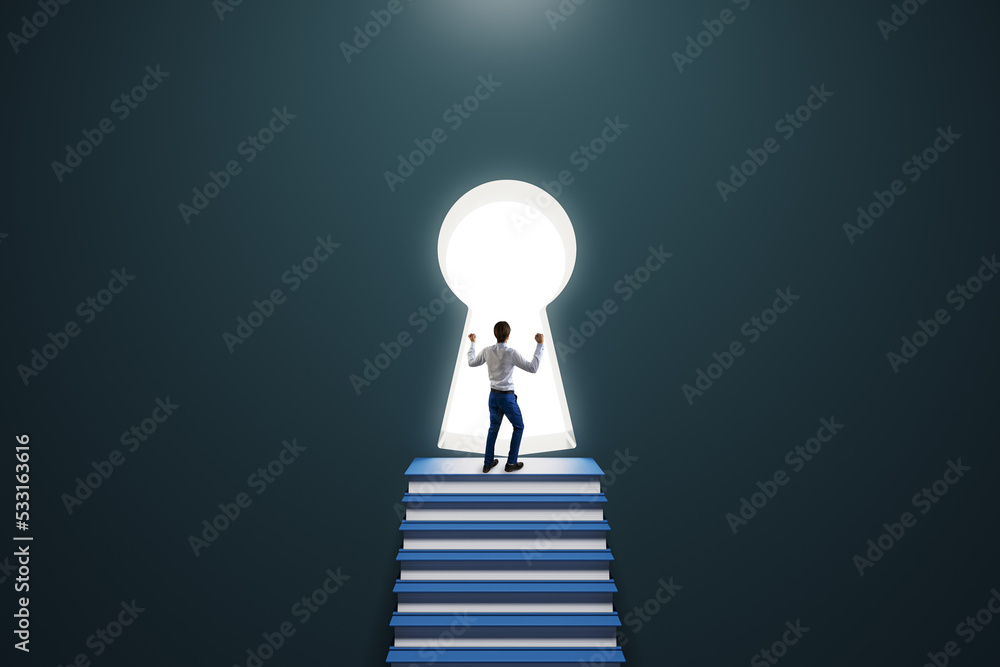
<point>504,405</point>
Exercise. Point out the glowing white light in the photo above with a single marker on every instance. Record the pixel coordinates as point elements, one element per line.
<point>507,249</point>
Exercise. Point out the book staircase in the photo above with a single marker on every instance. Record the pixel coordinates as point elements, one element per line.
<point>504,568</point>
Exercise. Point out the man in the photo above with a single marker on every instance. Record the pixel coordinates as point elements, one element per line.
<point>500,361</point>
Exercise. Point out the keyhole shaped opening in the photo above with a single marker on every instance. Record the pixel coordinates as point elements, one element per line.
<point>507,249</point>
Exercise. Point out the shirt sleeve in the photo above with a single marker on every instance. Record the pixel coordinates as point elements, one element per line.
<point>474,359</point>
<point>531,366</point>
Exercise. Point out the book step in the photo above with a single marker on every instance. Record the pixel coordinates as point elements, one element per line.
<point>504,507</point>
<point>509,498</point>
<point>561,466</point>
<point>581,564</point>
<point>504,535</point>
<point>539,475</point>
<point>504,657</point>
<point>514,586</point>
<point>513,630</point>
<point>401,620</point>
<point>518,596</point>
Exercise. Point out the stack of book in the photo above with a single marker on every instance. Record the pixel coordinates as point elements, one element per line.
<point>504,568</point>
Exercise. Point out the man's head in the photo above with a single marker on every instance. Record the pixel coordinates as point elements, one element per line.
<point>502,331</point>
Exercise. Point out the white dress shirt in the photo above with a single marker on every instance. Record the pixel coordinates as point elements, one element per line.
<point>500,361</point>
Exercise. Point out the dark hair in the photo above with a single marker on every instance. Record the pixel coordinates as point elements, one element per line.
<point>501,330</point>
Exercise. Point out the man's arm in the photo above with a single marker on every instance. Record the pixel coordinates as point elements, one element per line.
<point>531,366</point>
<point>475,360</point>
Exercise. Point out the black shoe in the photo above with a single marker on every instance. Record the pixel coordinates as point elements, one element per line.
<point>511,467</point>
<point>489,466</point>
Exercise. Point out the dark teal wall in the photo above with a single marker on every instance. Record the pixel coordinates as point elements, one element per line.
<point>224,76</point>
